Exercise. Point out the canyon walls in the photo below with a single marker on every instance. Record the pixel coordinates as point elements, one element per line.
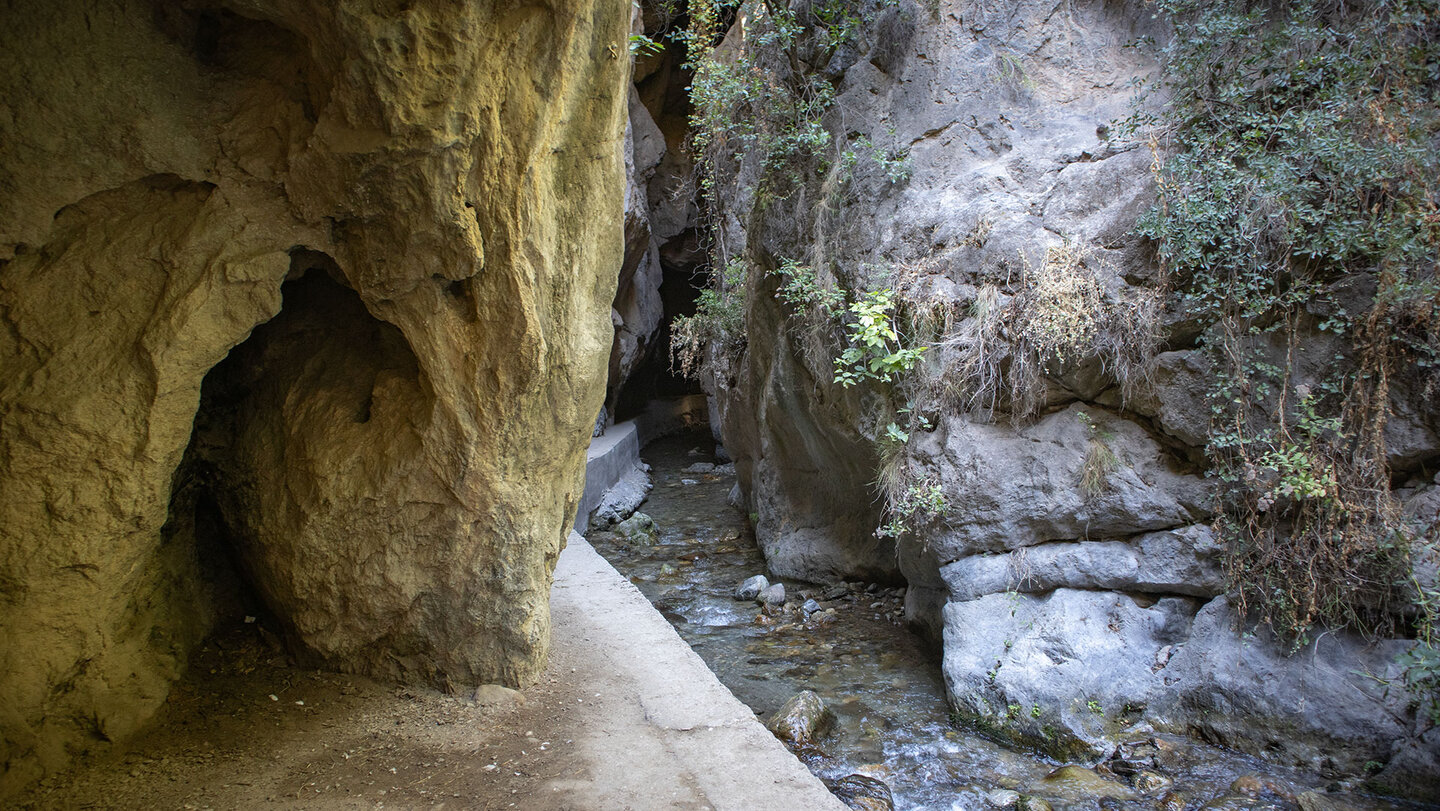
<point>309,297</point>
<point>1038,473</point>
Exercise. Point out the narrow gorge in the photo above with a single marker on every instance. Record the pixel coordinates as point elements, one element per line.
<point>1105,332</point>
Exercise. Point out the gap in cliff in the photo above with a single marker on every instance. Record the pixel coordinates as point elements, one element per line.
<point>324,350</point>
<point>654,378</point>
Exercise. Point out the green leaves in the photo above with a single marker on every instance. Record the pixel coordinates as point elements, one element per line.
<point>1301,194</point>
<point>875,351</point>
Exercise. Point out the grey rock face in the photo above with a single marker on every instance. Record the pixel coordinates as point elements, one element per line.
<point>1057,670</point>
<point>1072,557</point>
<point>1326,701</point>
<point>637,310</point>
<point>1183,561</point>
<point>1012,488</point>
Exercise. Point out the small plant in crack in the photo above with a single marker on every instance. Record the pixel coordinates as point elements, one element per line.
<point>1100,460</point>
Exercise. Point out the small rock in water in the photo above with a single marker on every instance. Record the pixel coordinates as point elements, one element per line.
<point>1003,798</point>
<point>773,594</point>
<point>835,592</point>
<point>1084,783</point>
<point>862,793</point>
<point>689,482</point>
<point>752,587</point>
<point>637,529</point>
<point>810,607</point>
<point>700,467</point>
<point>802,719</point>
<point>1151,782</point>
<point>1028,803</point>
<point>727,469</point>
<point>1249,785</point>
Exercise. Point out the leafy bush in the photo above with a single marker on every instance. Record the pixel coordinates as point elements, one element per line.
<point>875,350</point>
<point>1301,192</point>
<point>921,501</point>
<point>718,323</point>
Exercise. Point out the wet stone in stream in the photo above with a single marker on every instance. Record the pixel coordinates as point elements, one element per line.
<point>848,644</point>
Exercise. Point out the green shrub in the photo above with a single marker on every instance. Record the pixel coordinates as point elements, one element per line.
<point>718,323</point>
<point>875,351</point>
<point>1301,192</point>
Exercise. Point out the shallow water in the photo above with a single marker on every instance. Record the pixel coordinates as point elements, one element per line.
<point>881,679</point>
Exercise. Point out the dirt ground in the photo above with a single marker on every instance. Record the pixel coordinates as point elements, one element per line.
<point>245,730</point>
<point>625,717</point>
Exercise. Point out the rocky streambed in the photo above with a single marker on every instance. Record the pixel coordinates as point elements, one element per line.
<point>887,718</point>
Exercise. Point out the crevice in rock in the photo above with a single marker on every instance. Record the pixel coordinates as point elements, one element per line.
<point>653,378</point>
<point>323,353</point>
<point>227,42</point>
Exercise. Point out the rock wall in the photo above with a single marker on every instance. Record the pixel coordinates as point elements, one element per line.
<point>429,194</point>
<point>1084,590</point>
<point>659,217</point>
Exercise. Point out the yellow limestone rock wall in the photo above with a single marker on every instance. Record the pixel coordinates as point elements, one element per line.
<point>163,168</point>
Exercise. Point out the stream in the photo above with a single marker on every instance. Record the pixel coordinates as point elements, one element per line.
<point>882,681</point>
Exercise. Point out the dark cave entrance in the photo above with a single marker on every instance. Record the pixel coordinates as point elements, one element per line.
<point>322,351</point>
<point>654,378</point>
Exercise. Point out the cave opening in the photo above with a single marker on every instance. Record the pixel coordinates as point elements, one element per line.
<point>323,352</point>
<point>655,378</point>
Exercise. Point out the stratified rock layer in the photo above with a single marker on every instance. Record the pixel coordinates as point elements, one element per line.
<point>395,459</point>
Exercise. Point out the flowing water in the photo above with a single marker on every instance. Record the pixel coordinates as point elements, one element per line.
<point>882,681</point>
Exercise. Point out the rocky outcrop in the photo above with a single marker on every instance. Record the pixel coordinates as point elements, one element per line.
<point>429,196</point>
<point>1057,535</point>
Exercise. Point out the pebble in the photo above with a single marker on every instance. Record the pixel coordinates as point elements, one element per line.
<point>772,595</point>
<point>751,588</point>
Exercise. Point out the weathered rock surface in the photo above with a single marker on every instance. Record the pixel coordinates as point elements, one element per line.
<point>1057,669</point>
<point>623,499</point>
<point>1325,706</point>
<point>396,458</point>
<point>637,310</point>
<point>1070,559</point>
<point>802,720</point>
<point>1183,561</point>
<point>1012,488</point>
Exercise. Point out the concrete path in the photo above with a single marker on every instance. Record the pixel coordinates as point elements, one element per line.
<point>625,717</point>
<point>661,731</point>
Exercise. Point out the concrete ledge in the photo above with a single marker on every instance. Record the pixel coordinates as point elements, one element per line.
<point>673,736</point>
<point>610,457</point>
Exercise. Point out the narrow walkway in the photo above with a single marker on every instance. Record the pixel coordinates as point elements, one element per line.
<point>663,732</point>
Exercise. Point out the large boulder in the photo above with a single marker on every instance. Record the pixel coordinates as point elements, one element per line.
<point>1079,473</point>
<point>1064,671</point>
<point>1327,705</point>
<point>395,458</point>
